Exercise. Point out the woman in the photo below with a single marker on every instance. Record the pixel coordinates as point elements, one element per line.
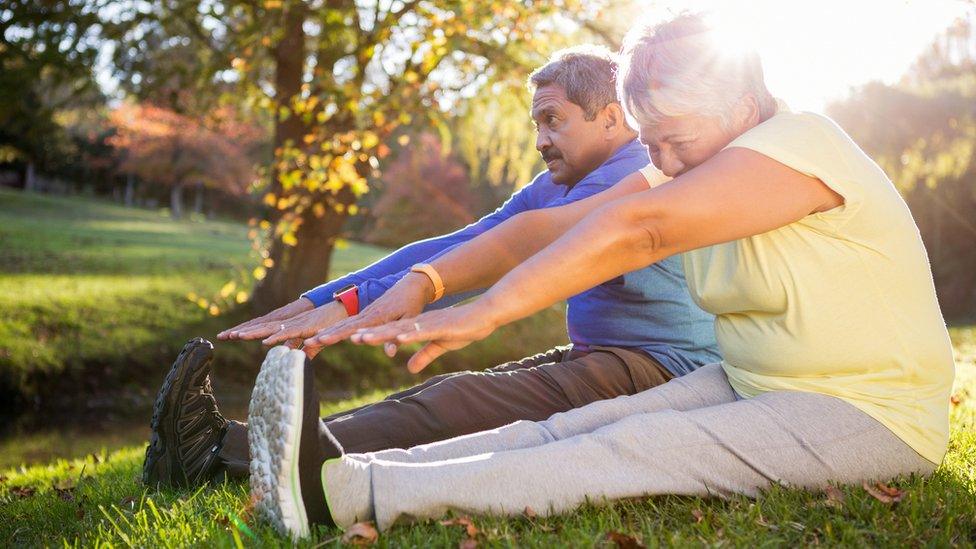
<point>837,362</point>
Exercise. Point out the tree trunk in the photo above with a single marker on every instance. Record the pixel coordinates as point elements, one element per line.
<point>130,190</point>
<point>295,268</point>
<point>198,200</point>
<point>30,178</point>
<point>300,267</point>
<point>176,201</point>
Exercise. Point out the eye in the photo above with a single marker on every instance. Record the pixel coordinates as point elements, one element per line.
<point>551,119</point>
<point>683,145</point>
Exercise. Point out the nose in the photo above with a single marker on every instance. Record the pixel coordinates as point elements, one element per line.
<point>542,141</point>
<point>671,165</point>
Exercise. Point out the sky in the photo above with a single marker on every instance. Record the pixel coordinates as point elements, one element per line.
<point>815,51</point>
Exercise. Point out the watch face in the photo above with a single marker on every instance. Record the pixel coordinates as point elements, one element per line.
<point>343,290</point>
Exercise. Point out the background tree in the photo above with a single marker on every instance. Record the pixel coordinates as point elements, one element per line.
<point>922,131</point>
<point>339,77</point>
<point>162,146</point>
<point>47,51</point>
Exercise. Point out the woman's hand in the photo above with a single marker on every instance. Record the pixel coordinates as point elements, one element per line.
<point>292,331</point>
<point>265,325</point>
<point>444,330</point>
<point>405,299</point>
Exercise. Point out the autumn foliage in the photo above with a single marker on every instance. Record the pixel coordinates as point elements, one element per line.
<point>164,147</point>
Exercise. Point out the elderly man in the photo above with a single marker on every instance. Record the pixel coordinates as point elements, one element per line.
<point>629,334</point>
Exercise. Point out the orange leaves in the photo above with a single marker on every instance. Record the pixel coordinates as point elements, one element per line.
<point>471,531</point>
<point>884,493</point>
<point>835,498</point>
<point>361,533</point>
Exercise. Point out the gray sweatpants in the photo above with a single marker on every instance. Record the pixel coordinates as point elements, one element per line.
<point>689,436</point>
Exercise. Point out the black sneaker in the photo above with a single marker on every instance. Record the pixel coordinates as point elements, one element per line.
<point>287,449</point>
<point>187,429</point>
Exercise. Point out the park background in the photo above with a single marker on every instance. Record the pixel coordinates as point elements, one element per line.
<point>168,169</point>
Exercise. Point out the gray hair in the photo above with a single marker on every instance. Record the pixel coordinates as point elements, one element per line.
<point>586,73</point>
<point>677,68</point>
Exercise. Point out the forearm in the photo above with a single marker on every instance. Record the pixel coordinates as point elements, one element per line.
<point>482,261</point>
<point>612,241</point>
<point>485,259</point>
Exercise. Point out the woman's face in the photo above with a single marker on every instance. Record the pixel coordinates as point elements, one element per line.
<point>678,144</point>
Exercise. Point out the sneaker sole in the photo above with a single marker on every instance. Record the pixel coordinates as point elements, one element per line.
<point>274,431</point>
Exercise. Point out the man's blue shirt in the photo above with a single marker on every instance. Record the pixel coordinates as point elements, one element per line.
<point>649,308</point>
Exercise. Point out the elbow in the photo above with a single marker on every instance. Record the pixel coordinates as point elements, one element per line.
<point>637,231</point>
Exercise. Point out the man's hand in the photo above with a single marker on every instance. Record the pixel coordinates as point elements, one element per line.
<point>444,330</point>
<point>292,331</point>
<point>405,299</point>
<point>262,325</point>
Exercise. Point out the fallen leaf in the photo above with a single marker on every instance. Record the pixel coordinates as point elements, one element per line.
<point>955,400</point>
<point>23,491</point>
<point>698,515</point>
<point>883,493</point>
<point>469,526</point>
<point>835,498</point>
<point>361,533</point>
<point>624,541</point>
<point>96,458</point>
<point>530,512</point>
<point>468,544</point>
<point>128,501</point>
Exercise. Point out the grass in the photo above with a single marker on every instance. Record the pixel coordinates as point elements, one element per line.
<point>94,301</point>
<point>98,501</point>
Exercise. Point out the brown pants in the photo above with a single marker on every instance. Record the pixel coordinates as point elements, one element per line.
<point>450,405</point>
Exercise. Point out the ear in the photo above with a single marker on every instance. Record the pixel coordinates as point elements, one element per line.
<point>746,113</point>
<point>613,120</point>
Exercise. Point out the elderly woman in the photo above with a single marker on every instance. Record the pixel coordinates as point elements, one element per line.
<point>837,362</point>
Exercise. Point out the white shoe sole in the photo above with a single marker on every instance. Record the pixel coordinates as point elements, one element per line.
<point>274,430</point>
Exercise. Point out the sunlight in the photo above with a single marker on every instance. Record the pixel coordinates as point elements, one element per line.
<point>814,52</point>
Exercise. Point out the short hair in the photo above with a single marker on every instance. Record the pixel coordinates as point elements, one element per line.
<point>587,74</point>
<point>677,68</point>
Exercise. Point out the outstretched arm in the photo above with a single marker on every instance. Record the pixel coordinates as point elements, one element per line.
<point>483,260</point>
<point>737,193</point>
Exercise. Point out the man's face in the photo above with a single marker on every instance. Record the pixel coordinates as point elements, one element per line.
<point>571,145</point>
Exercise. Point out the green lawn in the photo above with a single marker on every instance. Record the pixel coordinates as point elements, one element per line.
<point>95,301</point>
<point>94,295</point>
<point>98,501</point>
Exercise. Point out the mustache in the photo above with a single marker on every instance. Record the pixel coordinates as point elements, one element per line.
<point>551,154</point>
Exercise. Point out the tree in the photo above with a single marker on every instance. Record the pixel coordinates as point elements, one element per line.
<point>47,50</point>
<point>922,132</point>
<point>339,78</point>
<point>422,179</point>
<point>162,146</point>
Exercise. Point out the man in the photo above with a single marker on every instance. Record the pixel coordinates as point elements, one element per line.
<point>628,334</point>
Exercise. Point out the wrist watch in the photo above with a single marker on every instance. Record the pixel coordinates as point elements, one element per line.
<point>349,297</point>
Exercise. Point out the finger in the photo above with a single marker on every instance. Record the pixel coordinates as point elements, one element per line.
<point>382,334</point>
<point>311,350</point>
<point>260,331</point>
<point>349,327</point>
<point>294,343</point>
<point>422,358</point>
<point>290,332</point>
<point>390,349</point>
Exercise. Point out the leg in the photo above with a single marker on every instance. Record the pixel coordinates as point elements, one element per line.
<point>234,455</point>
<point>707,386</point>
<point>470,402</point>
<point>798,439</point>
<point>552,355</point>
